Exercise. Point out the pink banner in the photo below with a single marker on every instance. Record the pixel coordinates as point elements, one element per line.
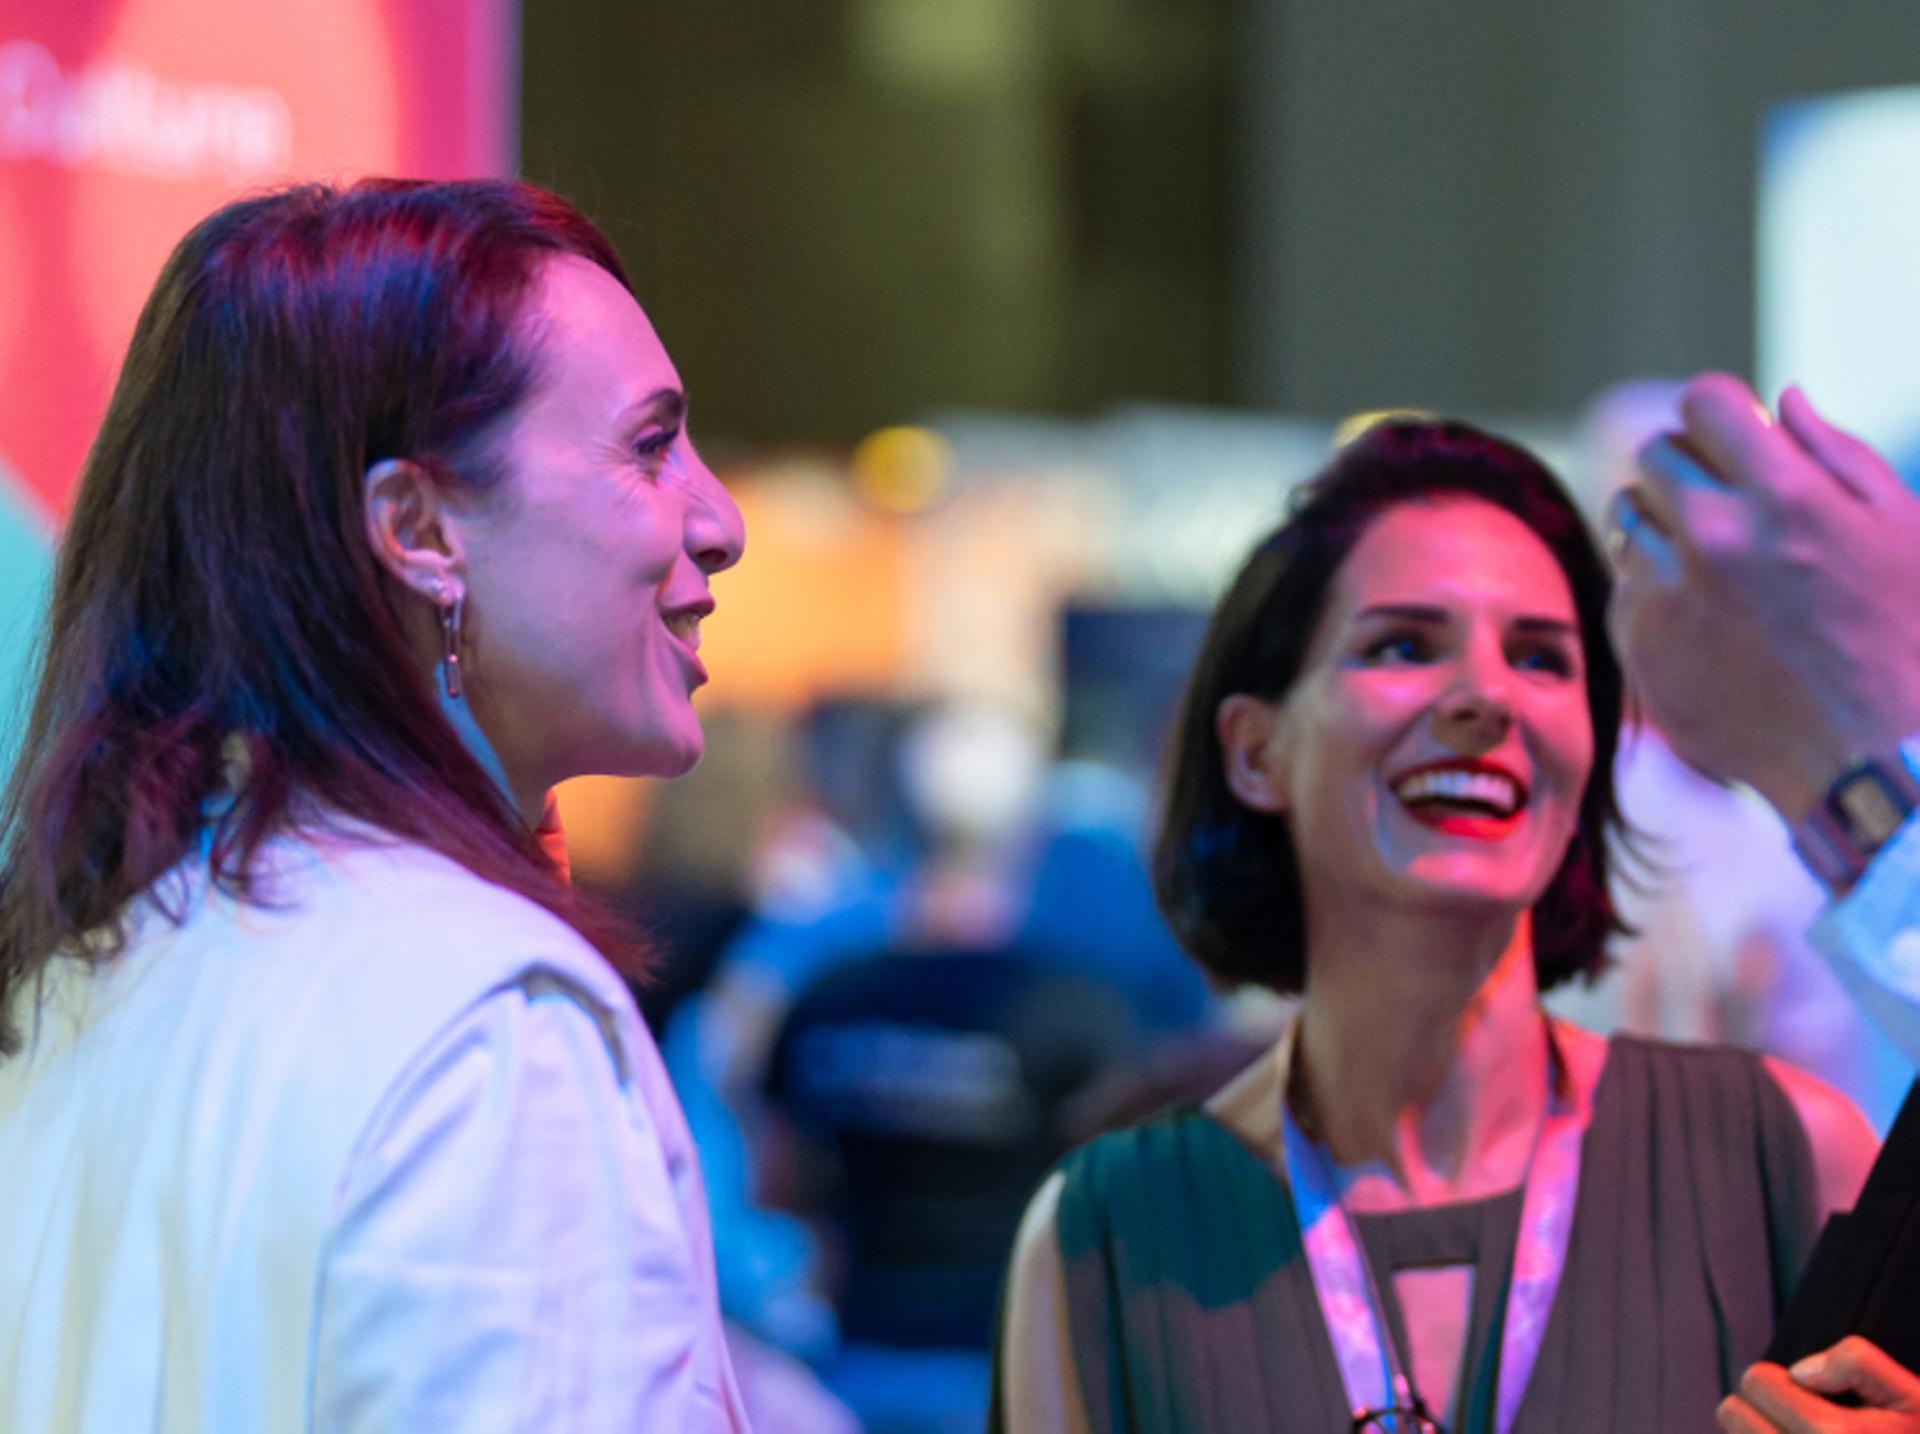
<point>124,121</point>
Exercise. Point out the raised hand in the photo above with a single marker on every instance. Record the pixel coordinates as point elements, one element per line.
<point>1768,608</point>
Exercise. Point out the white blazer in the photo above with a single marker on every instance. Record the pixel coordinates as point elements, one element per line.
<point>391,1152</point>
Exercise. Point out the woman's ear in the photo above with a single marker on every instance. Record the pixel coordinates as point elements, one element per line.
<point>1253,749</point>
<point>410,530</point>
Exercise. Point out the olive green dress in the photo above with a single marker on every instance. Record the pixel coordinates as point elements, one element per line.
<point>1190,1306</point>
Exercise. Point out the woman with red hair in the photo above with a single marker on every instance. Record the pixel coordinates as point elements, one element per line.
<point>321,1104</point>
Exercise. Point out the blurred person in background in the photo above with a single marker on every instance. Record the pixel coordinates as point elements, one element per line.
<point>918,1090</point>
<point>1766,609</point>
<point>321,1105</point>
<point>834,879</point>
<point>1088,898</point>
<point>912,1100</point>
<point>834,873</point>
<point>1716,901</point>
<point>1430,1205</point>
<point>895,1050</point>
<point>902,842</point>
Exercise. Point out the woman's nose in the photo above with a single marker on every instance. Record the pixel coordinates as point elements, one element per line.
<point>716,533</point>
<point>1479,697</point>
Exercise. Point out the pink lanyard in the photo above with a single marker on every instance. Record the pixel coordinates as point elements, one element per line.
<point>1343,1284</point>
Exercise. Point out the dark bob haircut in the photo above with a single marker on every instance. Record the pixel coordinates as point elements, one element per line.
<point>215,592</point>
<point>1225,875</point>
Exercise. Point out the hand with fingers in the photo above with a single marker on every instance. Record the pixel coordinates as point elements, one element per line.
<point>1798,1401</point>
<point>1768,606</point>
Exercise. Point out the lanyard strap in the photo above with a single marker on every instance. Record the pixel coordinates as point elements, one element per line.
<point>1342,1283</point>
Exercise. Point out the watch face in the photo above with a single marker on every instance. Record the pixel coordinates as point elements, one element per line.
<point>1872,809</point>
<point>1839,838</point>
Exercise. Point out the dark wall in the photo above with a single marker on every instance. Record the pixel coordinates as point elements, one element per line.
<point>843,213</point>
<point>1500,205</point>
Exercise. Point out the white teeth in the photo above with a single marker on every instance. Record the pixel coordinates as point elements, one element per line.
<point>1488,788</point>
<point>685,626</point>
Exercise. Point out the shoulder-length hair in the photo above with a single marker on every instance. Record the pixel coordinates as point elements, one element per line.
<point>216,591</point>
<point>1224,874</point>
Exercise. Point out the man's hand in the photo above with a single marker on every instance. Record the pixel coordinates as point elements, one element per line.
<point>1794,1402</point>
<point>1768,609</point>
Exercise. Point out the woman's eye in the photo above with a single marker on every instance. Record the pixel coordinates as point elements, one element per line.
<point>652,446</point>
<point>1398,647</point>
<point>1544,659</point>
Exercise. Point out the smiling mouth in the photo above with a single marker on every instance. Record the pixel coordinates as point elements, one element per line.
<point>684,625</point>
<point>1472,801</point>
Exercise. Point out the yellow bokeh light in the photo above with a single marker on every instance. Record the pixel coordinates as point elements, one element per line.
<point>1357,425</point>
<point>903,469</point>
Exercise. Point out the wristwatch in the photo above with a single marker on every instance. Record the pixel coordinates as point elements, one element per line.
<point>1862,810</point>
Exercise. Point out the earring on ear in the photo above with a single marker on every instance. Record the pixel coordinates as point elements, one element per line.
<point>450,616</point>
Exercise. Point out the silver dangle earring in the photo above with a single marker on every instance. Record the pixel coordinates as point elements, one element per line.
<point>450,615</point>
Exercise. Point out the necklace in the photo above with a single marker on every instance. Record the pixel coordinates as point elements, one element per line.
<point>1343,1280</point>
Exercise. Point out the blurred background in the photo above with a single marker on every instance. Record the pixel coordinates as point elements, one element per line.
<point>1010,323</point>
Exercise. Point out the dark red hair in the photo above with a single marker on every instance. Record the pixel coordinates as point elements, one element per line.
<point>215,581</point>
